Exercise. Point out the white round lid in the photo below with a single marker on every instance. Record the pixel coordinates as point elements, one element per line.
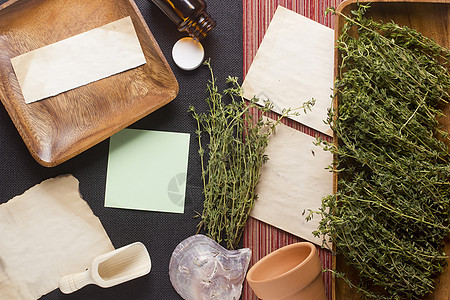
<point>188,53</point>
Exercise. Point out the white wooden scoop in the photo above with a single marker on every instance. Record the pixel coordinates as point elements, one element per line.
<point>112,268</point>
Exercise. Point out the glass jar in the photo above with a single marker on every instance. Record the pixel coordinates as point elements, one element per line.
<point>188,15</point>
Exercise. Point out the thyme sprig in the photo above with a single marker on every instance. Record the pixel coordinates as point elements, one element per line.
<point>391,212</point>
<point>237,138</point>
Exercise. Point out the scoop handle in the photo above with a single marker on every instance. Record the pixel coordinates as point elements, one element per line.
<point>73,282</point>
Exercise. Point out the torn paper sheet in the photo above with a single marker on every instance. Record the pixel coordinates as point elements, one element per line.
<point>293,180</point>
<point>46,233</point>
<point>294,64</point>
<point>78,60</point>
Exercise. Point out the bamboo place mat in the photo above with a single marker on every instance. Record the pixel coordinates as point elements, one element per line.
<point>257,14</point>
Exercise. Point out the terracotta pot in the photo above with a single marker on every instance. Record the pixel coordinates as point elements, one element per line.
<point>291,272</point>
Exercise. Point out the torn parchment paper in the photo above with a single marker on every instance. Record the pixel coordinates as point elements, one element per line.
<point>294,64</point>
<point>293,180</point>
<point>78,60</point>
<point>46,233</point>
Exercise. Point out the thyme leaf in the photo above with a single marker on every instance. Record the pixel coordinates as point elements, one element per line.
<point>232,160</point>
<point>391,212</point>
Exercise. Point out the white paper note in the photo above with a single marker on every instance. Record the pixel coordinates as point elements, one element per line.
<point>294,64</point>
<point>293,180</point>
<point>46,233</point>
<point>78,60</point>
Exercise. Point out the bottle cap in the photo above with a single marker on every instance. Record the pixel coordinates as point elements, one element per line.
<point>188,54</point>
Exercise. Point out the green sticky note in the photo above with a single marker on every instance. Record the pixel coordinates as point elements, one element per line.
<point>147,170</point>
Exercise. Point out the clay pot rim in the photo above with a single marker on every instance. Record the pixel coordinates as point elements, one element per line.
<point>254,268</point>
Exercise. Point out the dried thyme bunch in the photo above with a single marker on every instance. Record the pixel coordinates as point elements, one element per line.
<point>237,139</point>
<point>391,212</point>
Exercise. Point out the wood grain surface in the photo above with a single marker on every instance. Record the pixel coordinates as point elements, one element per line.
<point>58,128</point>
<point>431,18</point>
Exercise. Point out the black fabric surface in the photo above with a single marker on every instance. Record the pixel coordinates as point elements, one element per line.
<point>160,232</point>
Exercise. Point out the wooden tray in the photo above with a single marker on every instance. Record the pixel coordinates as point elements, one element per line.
<point>57,128</point>
<point>431,18</point>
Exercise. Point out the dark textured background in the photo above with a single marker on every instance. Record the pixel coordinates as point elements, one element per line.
<point>160,232</point>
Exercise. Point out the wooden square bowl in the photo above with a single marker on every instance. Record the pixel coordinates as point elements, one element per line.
<point>58,128</point>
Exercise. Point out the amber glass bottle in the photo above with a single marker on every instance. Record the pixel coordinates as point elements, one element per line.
<point>188,15</point>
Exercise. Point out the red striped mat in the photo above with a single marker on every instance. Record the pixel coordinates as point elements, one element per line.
<point>257,14</point>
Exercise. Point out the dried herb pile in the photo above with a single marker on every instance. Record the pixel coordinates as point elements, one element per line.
<point>391,212</point>
<point>237,136</point>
